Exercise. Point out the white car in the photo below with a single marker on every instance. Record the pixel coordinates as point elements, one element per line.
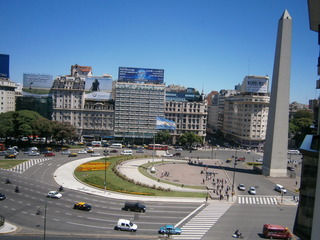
<point>168,155</point>
<point>65,152</point>
<point>126,225</point>
<point>259,160</point>
<point>241,187</point>
<point>32,153</point>
<point>95,154</point>
<point>54,194</point>
<point>82,152</point>
<point>252,191</point>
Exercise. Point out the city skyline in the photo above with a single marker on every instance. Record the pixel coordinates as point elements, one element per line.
<point>199,44</point>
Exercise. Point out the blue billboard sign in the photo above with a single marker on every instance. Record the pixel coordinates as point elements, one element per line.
<point>4,65</point>
<point>141,75</point>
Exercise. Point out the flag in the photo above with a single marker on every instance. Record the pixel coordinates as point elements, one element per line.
<point>165,124</point>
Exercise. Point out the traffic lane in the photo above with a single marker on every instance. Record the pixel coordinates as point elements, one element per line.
<point>255,217</point>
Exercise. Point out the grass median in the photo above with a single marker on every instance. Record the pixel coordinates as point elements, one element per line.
<point>117,182</point>
<point>7,164</point>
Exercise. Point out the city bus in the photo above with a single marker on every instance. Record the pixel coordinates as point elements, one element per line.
<point>157,147</point>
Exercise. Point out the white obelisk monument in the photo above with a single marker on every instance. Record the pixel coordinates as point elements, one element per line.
<point>276,146</point>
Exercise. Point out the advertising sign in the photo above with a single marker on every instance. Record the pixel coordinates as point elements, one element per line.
<point>98,96</point>
<point>4,66</point>
<point>257,85</point>
<point>141,75</point>
<point>37,81</point>
<point>98,84</point>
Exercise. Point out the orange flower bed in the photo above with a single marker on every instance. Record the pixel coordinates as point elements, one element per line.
<point>93,166</point>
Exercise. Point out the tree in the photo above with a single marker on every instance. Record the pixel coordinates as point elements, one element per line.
<point>163,137</point>
<point>63,131</point>
<point>299,125</point>
<point>189,138</point>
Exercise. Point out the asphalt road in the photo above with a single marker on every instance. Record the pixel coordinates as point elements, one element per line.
<point>37,181</point>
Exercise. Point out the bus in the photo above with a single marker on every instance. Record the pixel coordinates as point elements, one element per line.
<point>96,143</point>
<point>116,145</point>
<point>157,147</point>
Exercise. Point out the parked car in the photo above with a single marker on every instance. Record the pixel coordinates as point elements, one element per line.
<point>126,225</point>
<point>49,154</point>
<point>82,206</point>
<point>170,230</point>
<point>252,191</point>
<point>54,194</point>
<point>134,206</point>
<point>241,187</point>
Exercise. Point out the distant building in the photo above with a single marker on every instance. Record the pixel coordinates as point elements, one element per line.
<point>188,110</point>
<point>7,95</point>
<point>136,107</point>
<point>84,101</point>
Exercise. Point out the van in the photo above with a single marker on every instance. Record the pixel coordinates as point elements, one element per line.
<point>276,231</point>
<point>136,207</point>
<point>295,152</point>
<point>126,152</point>
<point>116,145</point>
<point>280,188</point>
<point>126,225</point>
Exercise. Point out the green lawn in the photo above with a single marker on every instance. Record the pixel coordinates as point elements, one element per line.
<point>116,183</point>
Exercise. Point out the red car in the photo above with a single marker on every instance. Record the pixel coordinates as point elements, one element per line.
<point>50,154</point>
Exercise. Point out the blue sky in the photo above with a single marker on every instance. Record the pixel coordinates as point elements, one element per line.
<point>205,44</point>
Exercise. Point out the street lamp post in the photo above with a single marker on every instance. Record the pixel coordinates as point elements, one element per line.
<point>45,221</point>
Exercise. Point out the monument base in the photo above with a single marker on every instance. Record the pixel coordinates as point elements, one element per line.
<point>274,172</point>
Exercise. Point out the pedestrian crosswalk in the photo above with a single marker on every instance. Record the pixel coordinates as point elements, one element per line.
<point>257,200</point>
<point>27,164</point>
<point>197,227</point>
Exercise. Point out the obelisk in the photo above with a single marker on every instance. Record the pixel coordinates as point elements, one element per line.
<point>276,146</point>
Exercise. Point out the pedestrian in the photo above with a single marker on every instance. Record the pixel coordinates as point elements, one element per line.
<point>296,183</point>
<point>207,198</point>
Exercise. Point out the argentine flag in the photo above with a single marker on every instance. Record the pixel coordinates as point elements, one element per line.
<point>165,124</point>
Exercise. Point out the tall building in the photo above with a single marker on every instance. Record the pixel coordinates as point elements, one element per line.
<point>245,119</point>
<point>136,107</point>
<point>276,147</point>
<point>7,88</point>
<point>85,101</point>
<point>307,221</point>
<point>188,109</point>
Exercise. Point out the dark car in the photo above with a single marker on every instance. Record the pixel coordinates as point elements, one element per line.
<point>177,155</point>
<point>135,206</point>
<point>2,196</point>
<point>113,151</point>
<point>290,168</point>
<point>82,206</point>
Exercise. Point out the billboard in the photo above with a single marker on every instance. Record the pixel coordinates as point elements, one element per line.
<point>98,84</point>
<point>141,75</point>
<point>37,81</point>
<point>256,84</point>
<point>4,66</point>
<point>98,96</point>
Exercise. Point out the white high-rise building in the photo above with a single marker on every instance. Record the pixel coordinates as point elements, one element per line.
<point>7,95</point>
